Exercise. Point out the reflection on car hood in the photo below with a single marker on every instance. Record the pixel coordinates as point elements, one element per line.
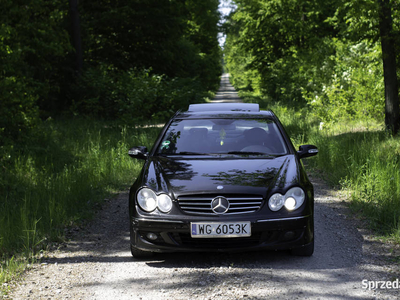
<point>219,176</point>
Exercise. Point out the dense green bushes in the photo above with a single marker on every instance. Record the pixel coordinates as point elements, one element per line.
<point>18,108</point>
<point>353,88</point>
<point>134,96</point>
<point>140,57</point>
<point>33,44</point>
<point>326,54</point>
<point>147,58</point>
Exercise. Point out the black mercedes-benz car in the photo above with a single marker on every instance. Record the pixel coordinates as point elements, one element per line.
<point>222,177</point>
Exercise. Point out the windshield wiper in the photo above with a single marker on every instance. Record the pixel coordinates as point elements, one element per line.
<point>187,153</point>
<point>248,153</point>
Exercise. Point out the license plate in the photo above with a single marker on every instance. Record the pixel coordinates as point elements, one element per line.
<point>220,229</point>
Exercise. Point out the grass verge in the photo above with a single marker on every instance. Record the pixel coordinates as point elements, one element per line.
<point>57,180</point>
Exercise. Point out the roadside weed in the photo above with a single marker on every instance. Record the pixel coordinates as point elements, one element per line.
<point>59,179</point>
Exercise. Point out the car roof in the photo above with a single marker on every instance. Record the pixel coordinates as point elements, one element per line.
<point>224,107</point>
<point>225,110</point>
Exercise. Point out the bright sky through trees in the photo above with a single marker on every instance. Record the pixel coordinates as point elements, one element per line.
<point>225,7</point>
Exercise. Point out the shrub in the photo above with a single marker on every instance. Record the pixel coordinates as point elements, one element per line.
<point>19,112</point>
<point>135,95</point>
<point>355,90</point>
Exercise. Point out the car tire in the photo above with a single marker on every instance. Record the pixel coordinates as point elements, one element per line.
<point>306,250</point>
<point>137,253</point>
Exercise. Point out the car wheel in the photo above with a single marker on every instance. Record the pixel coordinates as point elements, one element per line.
<point>306,250</point>
<point>137,253</point>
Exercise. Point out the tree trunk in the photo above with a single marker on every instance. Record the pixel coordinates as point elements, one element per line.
<point>76,35</point>
<point>392,110</point>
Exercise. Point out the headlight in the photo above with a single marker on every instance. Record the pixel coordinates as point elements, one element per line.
<point>292,200</point>
<point>149,201</point>
<point>164,203</point>
<point>276,202</point>
<point>290,203</point>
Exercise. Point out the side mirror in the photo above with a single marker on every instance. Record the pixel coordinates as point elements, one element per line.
<point>307,151</point>
<point>139,152</point>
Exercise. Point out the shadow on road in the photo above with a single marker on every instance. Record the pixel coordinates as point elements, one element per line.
<point>107,240</point>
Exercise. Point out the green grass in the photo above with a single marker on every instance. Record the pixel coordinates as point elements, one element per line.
<point>367,165</point>
<point>357,156</point>
<point>57,179</point>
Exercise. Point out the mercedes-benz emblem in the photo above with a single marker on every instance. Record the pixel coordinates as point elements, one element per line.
<point>220,205</point>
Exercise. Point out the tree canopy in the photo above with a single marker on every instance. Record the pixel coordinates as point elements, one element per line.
<point>127,46</point>
<point>328,54</point>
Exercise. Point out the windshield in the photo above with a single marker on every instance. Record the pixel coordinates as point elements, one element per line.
<point>223,136</point>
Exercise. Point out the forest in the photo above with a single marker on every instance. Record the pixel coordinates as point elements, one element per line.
<point>83,81</point>
<point>338,57</point>
<point>126,60</point>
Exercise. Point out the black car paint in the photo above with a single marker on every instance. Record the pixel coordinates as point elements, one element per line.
<point>239,175</point>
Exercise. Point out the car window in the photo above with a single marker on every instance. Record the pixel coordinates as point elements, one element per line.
<point>223,136</point>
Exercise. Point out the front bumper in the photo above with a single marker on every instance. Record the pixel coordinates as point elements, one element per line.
<point>269,234</point>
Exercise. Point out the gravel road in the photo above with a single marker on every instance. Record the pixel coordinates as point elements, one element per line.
<point>226,92</point>
<point>96,263</point>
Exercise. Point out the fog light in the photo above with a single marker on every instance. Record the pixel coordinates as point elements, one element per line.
<point>151,236</point>
<point>289,235</point>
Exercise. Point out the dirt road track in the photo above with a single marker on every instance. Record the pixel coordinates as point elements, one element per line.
<point>226,92</point>
<point>96,264</point>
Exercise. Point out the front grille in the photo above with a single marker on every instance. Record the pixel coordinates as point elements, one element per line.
<point>202,205</point>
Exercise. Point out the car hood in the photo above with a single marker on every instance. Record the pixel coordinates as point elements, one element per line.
<point>194,176</point>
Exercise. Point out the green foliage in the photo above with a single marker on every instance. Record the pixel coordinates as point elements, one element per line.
<point>325,54</point>
<point>202,31</point>
<point>281,42</point>
<point>18,108</point>
<point>134,96</point>
<point>238,63</point>
<point>366,165</point>
<point>175,39</point>
<point>10,269</point>
<point>32,46</point>
<point>56,180</point>
<point>355,88</point>
<point>357,20</point>
<point>129,34</point>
